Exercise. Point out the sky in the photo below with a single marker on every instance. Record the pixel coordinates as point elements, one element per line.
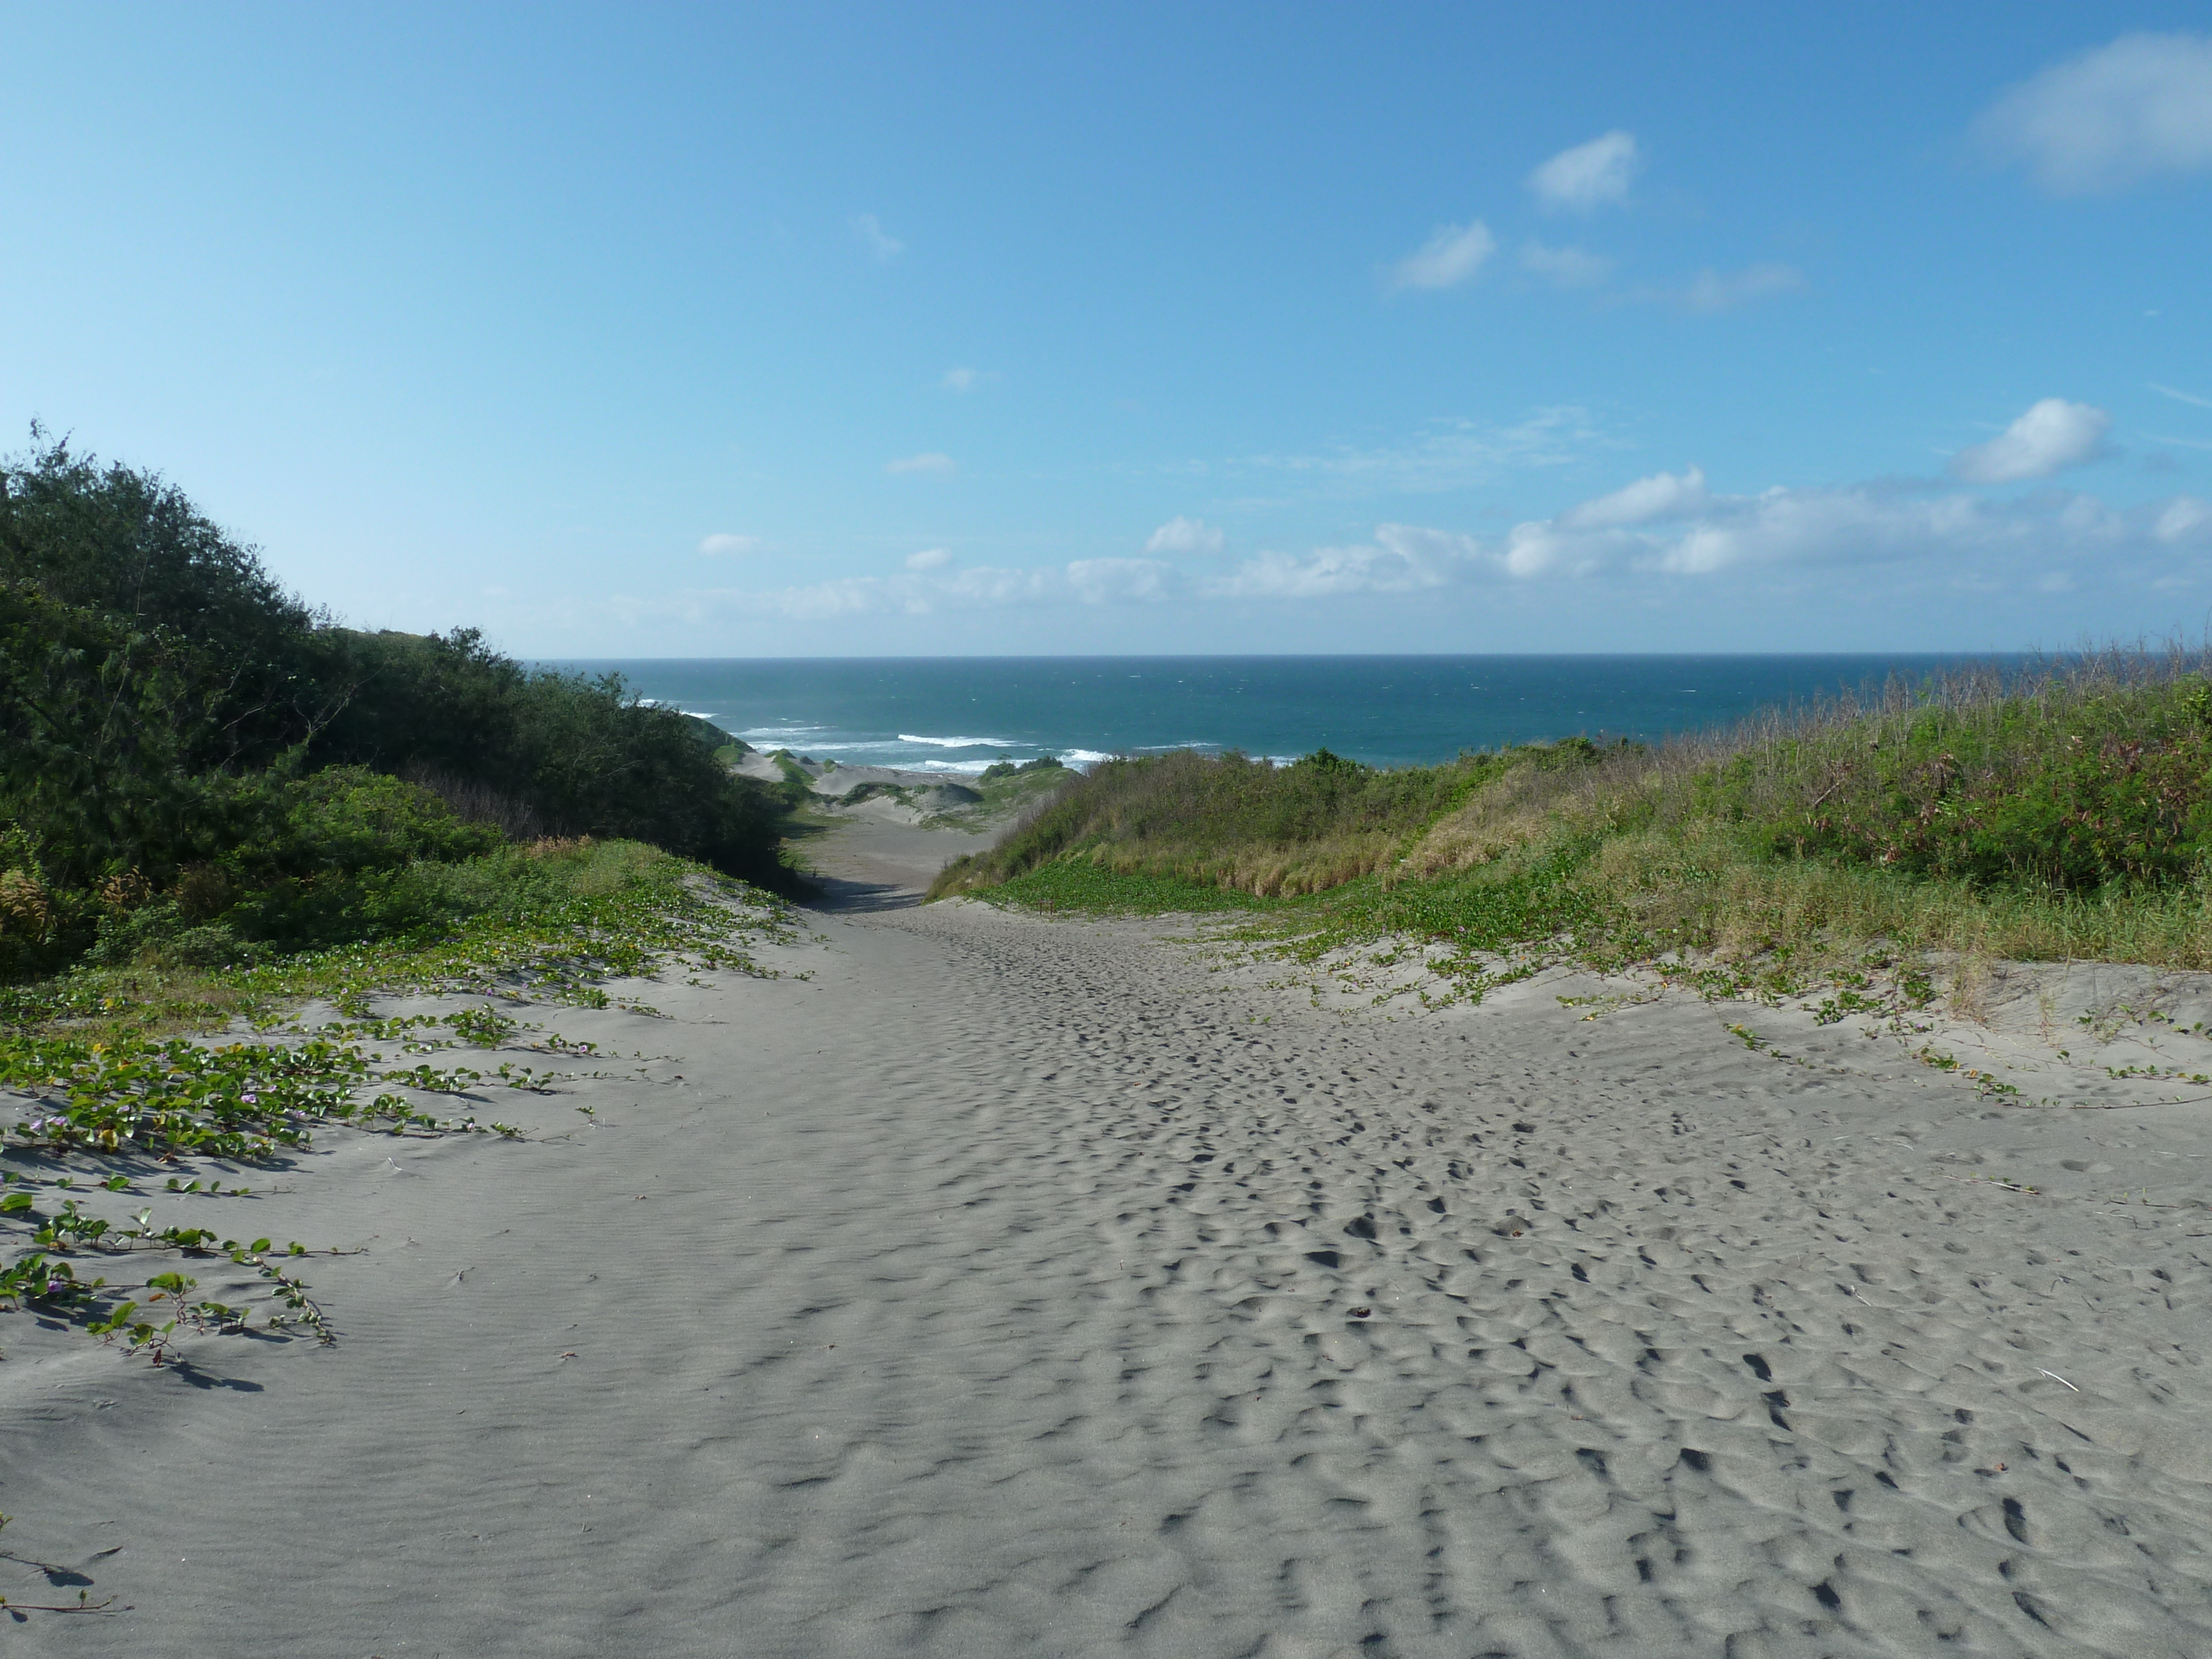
<point>1011,330</point>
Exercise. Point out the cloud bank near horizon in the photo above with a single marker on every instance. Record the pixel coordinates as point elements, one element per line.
<point>1666,529</point>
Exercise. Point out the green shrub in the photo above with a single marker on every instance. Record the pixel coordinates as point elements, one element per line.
<point>348,819</point>
<point>174,724</point>
<point>2059,790</point>
<point>2060,813</point>
<point>161,934</point>
<point>998,769</point>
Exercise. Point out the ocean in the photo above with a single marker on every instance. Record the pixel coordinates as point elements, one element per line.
<point>961,713</point>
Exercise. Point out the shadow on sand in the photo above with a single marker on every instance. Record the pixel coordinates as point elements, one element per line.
<point>845,895</point>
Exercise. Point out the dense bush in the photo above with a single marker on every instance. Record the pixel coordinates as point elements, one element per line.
<point>993,773</point>
<point>123,546</point>
<point>2073,788</point>
<point>190,757</point>
<point>554,753</point>
<point>110,736</point>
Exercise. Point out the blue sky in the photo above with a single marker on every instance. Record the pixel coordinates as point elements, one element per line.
<point>922,330</point>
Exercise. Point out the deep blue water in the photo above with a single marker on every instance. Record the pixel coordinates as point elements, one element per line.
<point>960,714</point>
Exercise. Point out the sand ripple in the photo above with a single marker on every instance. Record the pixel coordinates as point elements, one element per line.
<point>1023,1288</point>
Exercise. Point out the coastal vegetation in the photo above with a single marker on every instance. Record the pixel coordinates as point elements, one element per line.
<point>217,805</point>
<point>197,769</point>
<point>1005,790</point>
<point>109,1082</point>
<point>946,801</point>
<point>2064,813</point>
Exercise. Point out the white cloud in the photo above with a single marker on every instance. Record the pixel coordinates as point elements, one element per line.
<point>1714,290</point>
<point>1448,258</point>
<point>961,379</point>
<point>879,242</point>
<point>1590,175</point>
<point>1402,559</point>
<point>2185,517</point>
<point>1182,535</point>
<point>1451,455</point>
<point>927,462</point>
<point>1673,527</point>
<point>1851,526</point>
<point>1103,581</point>
<point>1657,532</point>
<point>1569,267</point>
<point>985,586</point>
<point>928,588</point>
<point>722,544</point>
<point>1660,496</point>
<point>1539,549</point>
<point>853,596</point>
<point>2181,397</point>
<point>2052,436</point>
<point>1781,526</point>
<point>2112,117</point>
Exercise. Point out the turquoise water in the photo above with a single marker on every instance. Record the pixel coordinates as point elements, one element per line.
<point>959,714</point>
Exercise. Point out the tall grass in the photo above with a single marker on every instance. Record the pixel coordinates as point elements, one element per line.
<point>2063,809</point>
<point>1243,825</point>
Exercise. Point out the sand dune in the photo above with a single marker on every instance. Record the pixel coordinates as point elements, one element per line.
<point>1017,1287</point>
<point>876,860</point>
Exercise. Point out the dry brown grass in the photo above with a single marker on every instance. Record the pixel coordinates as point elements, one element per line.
<point>547,846</point>
<point>477,802</point>
<point>1511,811</point>
<point>26,909</point>
<point>127,891</point>
<point>1267,871</point>
<point>1233,823</point>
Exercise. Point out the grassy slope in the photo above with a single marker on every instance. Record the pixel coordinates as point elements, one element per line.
<point>1242,825</point>
<point>1008,795</point>
<point>547,920</point>
<point>2067,816</point>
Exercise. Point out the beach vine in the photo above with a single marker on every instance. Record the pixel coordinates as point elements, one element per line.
<point>109,1094</point>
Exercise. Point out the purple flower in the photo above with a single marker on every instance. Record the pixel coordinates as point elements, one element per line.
<point>251,1098</point>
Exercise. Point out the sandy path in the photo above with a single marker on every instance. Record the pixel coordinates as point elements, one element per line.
<point>869,862</point>
<point>1013,1287</point>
